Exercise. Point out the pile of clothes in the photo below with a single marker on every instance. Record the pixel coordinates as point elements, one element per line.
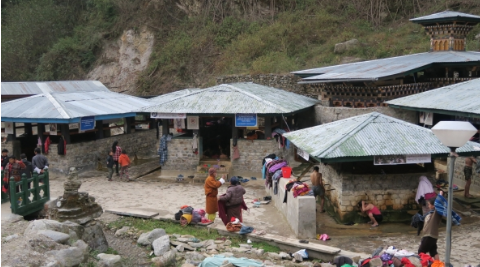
<point>235,225</point>
<point>273,171</point>
<point>390,256</point>
<point>298,188</point>
<point>187,215</point>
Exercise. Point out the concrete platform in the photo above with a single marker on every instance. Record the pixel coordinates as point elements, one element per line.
<point>133,212</point>
<point>468,201</point>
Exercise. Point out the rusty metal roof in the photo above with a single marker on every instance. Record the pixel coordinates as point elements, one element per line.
<point>34,88</point>
<point>461,98</point>
<point>446,16</point>
<point>70,107</point>
<point>231,99</point>
<point>386,68</point>
<point>368,135</point>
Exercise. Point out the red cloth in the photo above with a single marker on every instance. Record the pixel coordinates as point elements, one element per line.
<point>430,195</point>
<point>407,263</point>
<point>425,259</point>
<point>47,144</point>
<point>222,211</point>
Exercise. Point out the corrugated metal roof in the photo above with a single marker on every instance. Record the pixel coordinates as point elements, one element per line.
<point>446,16</point>
<point>34,88</point>
<point>169,96</point>
<point>68,107</point>
<point>372,134</point>
<point>233,98</point>
<point>461,97</point>
<point>378,69</point>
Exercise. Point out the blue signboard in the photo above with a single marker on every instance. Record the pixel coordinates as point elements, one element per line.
<point>87,123</point>
<point>245,120</point>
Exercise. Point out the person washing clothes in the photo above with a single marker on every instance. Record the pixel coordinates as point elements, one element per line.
<point>211,192</point>
<point>373,212</point>
<point>233,199</point>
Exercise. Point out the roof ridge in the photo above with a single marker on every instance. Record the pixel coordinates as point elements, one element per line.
<point>59,107</point>
<point>359,127</point>
<point>255,97</point>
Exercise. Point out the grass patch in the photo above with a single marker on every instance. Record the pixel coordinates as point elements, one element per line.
<point>199,232</point>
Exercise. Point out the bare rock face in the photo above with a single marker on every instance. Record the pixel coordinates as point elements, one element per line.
<point>74,206</point>
<point>123,60</point>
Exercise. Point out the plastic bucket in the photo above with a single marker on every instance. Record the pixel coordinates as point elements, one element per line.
<point>286,172</point>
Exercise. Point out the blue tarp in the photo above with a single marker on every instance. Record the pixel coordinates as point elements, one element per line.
<point>217,260</point>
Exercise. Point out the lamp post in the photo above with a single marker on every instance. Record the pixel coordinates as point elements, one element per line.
<point>453,134</point>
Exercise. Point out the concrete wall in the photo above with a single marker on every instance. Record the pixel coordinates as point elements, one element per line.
<point>459,177</point>
<point>299,212</point>
<point>86,155</point>
<point>180,155</point>
<point>325,114</point>
<point>393,194</point>
<point>252,153</point>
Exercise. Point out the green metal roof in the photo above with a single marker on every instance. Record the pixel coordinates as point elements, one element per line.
<point>231,99</point>
<point>462,99</point>
<point>447,16</point>
<point>374,134</point>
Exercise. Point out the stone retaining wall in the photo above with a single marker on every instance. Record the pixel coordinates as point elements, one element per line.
<point>325,114</point>
<point>86,155</point>
<point>252,153</point>
<point>393,194</point>
<point>180,155</point>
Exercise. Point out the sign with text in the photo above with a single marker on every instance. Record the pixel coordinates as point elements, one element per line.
<point>402,159</point>
<point>245,120</point>
<point>156,115</point>
<point>303,154</point>
<point>87,123</point>
<point>193,123</point>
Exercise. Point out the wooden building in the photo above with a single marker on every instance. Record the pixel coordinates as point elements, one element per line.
<point>371,83</point>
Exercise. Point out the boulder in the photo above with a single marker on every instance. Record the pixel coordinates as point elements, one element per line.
<point>260,252</point>
<point>146,239</point>
<point>161,245</point>
<point>83,246</point>
<point>58,237</point>
<point>285,256</point>
<point>42,244</point>
<point>194,256</point>
<point>227,243</point>
<point>195,245</point>
<point>297,257</point>
<point>340,48</point>
<point>69,257</point>
<point>213,246</point>
<point>185,246</point>
<point>122,231</point>
<point>73,229</point>
<point>109,260</point>
<point>274,256</point>
<point>167,259</point>
<point>93,235</point>
<point>180,248</point>
<point>352,44</point>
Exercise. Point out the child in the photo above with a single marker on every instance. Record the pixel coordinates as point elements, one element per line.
<point>124,162</point>
<point>110,165</point>
<point>430,230</point>
<point>373,212</point>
